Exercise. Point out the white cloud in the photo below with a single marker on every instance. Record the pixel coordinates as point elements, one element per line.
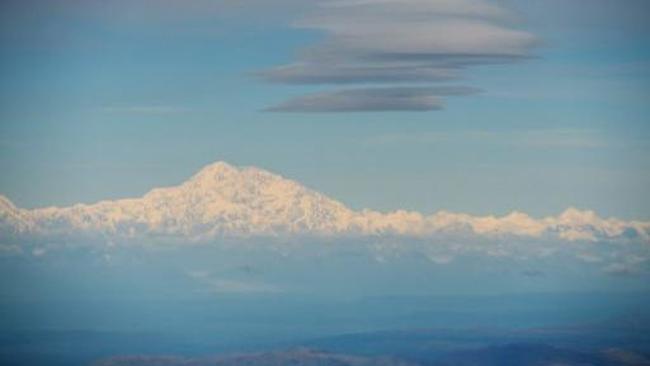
<point>213,283</point>
<point>620,269</point>
<point>526,139</point>
<point>589,257</point>
<point>440,258</point>
<point>38,252</point>
<point>10,250</point>
<point>226,286</point>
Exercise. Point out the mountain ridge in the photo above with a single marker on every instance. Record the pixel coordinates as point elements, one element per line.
<point>225,200</point>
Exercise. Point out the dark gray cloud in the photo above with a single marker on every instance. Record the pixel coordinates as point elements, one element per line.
<point>311,73</point>
<point>374,99</point>
<point>397,41</point>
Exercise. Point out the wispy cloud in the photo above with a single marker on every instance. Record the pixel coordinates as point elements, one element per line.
<point>214,283</point>
<point>528,139</point>
<point>145,109</point>
<point>630,265</point>
<point>391,41</point>
<point>533,273</point>
<point>374,99</point>
<point>10,250</point>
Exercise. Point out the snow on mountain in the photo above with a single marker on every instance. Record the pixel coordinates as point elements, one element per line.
<point>218,200</point>
<point>223,200</point>
<point>13,220</point>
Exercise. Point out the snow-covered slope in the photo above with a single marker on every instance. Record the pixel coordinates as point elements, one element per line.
<point>218,200</point>
<point>223,200</point>
<point>13,220</point>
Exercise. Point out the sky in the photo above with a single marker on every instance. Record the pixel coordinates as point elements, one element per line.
<point>417,127</point>
<point>108,100</point>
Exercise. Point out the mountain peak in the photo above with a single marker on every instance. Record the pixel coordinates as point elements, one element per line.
<point>220,173</point>
<point>220,199</point>
<point>215,169</point>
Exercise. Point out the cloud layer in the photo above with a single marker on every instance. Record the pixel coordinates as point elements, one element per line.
<point>393,42</point>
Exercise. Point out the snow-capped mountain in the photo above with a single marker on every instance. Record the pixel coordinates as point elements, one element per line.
<point>223,200</point>
<point>219,200</point>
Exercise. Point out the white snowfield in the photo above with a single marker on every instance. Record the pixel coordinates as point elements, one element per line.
<point>226,201</point>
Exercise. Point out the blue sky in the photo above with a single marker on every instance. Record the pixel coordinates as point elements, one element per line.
<point>108,102</point>
<point>485,108</point>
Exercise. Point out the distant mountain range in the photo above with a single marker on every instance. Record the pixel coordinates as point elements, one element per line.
<point>505,355</point>
<point>298,357</point>
<point>226,201</point>
<point>610,343</point>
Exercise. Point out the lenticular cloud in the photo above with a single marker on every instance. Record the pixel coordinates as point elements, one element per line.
<point>397,42</point>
